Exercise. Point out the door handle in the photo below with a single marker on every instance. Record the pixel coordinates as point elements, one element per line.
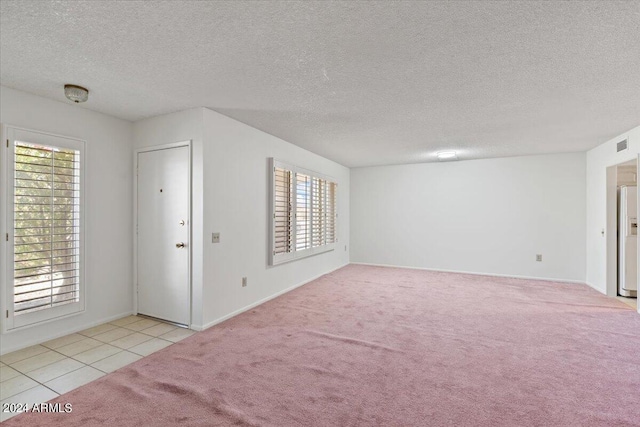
<point>180,245</point>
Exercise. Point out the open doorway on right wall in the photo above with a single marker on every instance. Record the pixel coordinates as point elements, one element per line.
<point>626,216</point>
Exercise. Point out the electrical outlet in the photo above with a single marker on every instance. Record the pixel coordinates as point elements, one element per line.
<point>215,237</point>
<point>539,257</point>
<point>244,282</point>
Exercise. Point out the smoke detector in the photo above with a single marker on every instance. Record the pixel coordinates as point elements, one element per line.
<point>75,93</point>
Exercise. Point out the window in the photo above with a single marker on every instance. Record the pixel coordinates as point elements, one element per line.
<point>45,223</point>
<point>303,213</point>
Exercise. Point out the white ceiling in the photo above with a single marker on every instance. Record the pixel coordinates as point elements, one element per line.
<point>362,83</point>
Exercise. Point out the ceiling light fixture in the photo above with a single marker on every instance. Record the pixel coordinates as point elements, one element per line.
<point>447,155</point>
<point>75,93</point>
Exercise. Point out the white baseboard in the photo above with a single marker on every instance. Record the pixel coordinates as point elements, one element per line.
<point>262,301</point>
<point>591,285</point>
<point>513,276</point>
<point>68,331</point>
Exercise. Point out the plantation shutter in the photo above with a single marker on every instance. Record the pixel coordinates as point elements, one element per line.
<point>304,215</point>
<point>331,216</point>
<point>282,211</point>
<point>46,227</point>
<point>318,211</point>
<point>303,211</point>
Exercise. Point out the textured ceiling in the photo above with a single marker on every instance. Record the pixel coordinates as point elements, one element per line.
<point>362,83</point>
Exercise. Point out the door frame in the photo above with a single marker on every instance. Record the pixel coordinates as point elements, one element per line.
<point>188,144</point>
<point>611,274</point>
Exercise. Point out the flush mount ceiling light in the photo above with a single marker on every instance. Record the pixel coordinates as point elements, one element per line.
<point>75,93</point>
<point>447,155</point>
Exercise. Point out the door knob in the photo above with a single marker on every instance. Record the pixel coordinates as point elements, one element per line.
<point>180,245</point>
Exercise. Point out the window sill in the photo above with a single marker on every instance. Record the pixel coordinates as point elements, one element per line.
<point>294,256</point>
<point>26,323</point>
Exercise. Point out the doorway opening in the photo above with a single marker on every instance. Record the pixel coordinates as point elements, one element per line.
<point>622,230</point>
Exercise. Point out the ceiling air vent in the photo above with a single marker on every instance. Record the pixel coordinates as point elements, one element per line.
<point>622,145</point>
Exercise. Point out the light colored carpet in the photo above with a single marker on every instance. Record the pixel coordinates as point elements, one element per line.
<point>390,347</point>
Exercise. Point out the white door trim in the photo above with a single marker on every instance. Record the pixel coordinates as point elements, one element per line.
<point>611,236</point>
<point>638,202</point>
<point>188,144</point>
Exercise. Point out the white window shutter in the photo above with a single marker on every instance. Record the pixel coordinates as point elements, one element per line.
<point>46,227</point>
<point>304,213</point>
<point>282,211</point>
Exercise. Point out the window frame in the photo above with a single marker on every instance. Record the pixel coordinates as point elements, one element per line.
<point>10,322</point>
<point>280,258</point>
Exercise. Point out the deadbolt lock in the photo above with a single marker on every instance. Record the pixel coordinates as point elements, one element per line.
<point>180,245</point>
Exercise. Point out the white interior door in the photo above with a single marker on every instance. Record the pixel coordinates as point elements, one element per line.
<point>163,234</point>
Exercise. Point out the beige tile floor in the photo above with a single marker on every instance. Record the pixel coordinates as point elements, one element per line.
<point>39,373</point>
<point>633,302</point>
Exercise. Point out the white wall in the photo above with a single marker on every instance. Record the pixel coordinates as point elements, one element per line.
<point>236,184</point>
<point>483,216</point>
<point>108,205</point>
<point>598,159</point>
<point>230,189</point>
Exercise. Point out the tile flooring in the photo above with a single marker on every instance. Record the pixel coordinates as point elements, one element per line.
<point>633,302</point>
<point>39,373</point>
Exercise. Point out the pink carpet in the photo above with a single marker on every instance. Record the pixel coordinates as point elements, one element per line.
<point>368,346</point>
